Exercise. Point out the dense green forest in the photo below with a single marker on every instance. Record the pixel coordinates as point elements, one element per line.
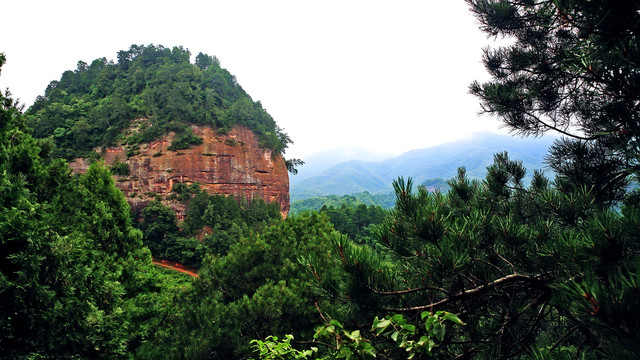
<point>384,200</point>
<point>92,106</point>
<point>493,268</point>
<point>358,222</point>
<point>77,282</point>
<point>225,218</point>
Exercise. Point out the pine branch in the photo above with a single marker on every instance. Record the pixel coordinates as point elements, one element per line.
<point>563,337</point>
<point>541,314</point>
<point>536,282</point>
<point>489,264</point>
<point>505,260</point>
<point>409,291</point>
<point>615,179</point>
<point>555,128</point>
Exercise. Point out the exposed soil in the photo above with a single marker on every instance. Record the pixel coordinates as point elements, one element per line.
<point>175,266</point>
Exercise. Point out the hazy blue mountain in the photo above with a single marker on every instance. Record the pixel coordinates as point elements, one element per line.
<point>349,177</point>
<point>317,163</point>
<point>441,161</point>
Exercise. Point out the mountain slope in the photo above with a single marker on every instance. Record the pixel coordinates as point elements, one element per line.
<point>317,163</point>
<point>94,105</point>
<point>159,120</point>
<point>441,161</point>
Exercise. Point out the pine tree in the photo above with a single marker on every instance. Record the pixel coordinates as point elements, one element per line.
<point>533,271</point>
<point>573,67</point>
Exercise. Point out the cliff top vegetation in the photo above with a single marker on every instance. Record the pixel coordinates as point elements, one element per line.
<point>92,105</point>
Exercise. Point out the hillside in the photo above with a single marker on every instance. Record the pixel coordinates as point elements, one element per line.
<point>93,105</point>
<point>232,164</point>
<point>158,120</point>
<point>441,161</point>
<point>316,163</point>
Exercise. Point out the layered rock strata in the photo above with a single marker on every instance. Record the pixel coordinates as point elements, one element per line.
<point>230,164</point>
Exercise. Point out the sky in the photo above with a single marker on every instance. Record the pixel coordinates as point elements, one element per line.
<point>385,76</point>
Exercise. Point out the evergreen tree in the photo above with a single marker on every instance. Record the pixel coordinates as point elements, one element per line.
<point>571,66</point>
<point>534,272</point>
<point>70,257</point>
<point>255,289</point>
<point>92,106</point>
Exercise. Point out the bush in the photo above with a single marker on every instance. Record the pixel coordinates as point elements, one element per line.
<point>185,141</point>
<point>120,169</point>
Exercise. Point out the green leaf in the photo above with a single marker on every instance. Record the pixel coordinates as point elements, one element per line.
<point>336,323</point>
<point>369,350</point>
<point>394,335</point>
<point>355,336</point>
<point>409,327</point>
<point>423,340</point>
<point>344,353</point>
<point>453,318</point>
<point>381,324</point>
<point>438,331</point>
<point>429,323</point>
<point>431,345</point>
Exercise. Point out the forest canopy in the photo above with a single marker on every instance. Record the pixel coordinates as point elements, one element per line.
<point>491,269</point>
<point>90,106</point>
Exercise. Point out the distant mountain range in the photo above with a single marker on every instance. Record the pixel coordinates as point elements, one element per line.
<point>324,173</point>
<point>316,163</point>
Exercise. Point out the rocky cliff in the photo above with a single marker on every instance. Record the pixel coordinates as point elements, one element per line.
<point>230,164</point>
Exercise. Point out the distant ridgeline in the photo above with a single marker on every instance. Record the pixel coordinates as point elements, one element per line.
<point>385,200</point>
<point>92,105</point>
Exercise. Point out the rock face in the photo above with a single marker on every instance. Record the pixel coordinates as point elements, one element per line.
<point>231,164</point>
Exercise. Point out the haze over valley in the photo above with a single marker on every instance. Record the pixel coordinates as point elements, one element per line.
<point>349,171</point>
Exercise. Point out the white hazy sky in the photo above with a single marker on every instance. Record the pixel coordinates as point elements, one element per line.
<point>387,76</point>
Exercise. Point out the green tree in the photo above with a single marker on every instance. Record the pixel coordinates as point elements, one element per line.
<point>69,255</point>
<point>204,61</point>
<point>357,222</point>
<point>570,66</point>
<point>93,105</point>
<point>533,271</point>
<point>256,289</point>
<point>159,224</point>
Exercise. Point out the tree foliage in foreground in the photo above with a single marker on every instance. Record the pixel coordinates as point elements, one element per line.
<point>570,66</point>
<point>534,272</point>
<point>256,289</point>
<point>75,281</point>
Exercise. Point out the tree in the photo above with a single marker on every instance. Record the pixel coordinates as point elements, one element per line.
<point>69,256</point>
<point>151,82</point>
<point>570,66</point>
<point>204,61</point>
<point>533,271</point>
<point>255,289</point>
<point>292,165</point>
<point>159,223</point>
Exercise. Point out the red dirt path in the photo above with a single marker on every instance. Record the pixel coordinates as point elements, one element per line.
<point>174,266</point>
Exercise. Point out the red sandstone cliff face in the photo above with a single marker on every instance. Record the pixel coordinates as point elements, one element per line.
<point>232,164</point>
